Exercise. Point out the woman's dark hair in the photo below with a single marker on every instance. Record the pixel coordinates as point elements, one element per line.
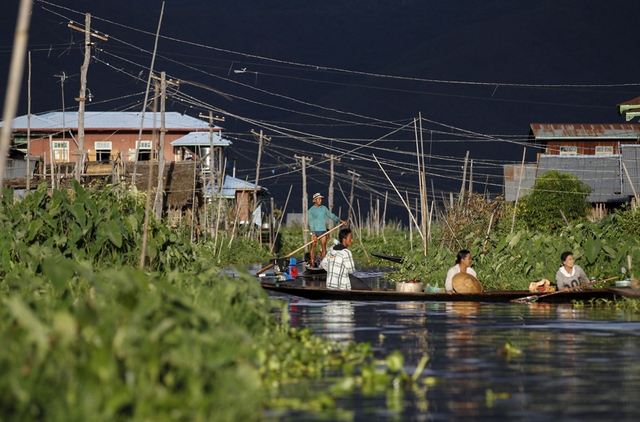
<point>462,255</point>
<point>565,255</point>
<point>343,234</point>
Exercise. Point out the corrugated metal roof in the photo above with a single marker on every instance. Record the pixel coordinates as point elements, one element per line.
<point>544,131</point>
<point>601,173</point>
<point>518,183</point>
<point>110,120</point>
<point>201,139</point>
<point>232,184</point>
<point>631,160</point>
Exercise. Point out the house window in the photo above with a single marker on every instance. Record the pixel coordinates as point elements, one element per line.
<point>61,150</point>
<point>604,150</point>
<point>144,150</point>
<point>568,150</point>
<point>103,151</point>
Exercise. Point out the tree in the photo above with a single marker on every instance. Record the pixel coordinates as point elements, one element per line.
<point>555,197</point>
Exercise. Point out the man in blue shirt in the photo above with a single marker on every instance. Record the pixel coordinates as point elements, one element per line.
<point>318,226</point>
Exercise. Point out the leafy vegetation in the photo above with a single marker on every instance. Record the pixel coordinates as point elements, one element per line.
<point>88,336</point>
<point>556,200</point>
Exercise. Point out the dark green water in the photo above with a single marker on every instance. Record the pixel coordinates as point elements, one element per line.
<point>574,365</point>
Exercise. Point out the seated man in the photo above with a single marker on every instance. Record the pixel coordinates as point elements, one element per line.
<point>340,266</point>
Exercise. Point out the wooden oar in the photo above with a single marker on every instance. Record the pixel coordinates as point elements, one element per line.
<point>299,249</point>
<point>392,258</point>
<point>534,298</point>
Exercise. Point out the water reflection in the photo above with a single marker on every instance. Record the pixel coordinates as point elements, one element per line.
<point>575,364</point>
<point>339,321</point>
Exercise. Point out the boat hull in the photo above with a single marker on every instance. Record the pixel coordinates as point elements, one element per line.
<point>321,293</point>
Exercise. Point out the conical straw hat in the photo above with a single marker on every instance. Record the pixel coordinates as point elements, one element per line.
<point>466,283</point>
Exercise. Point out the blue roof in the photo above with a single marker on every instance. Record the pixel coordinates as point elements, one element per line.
<point>201,139</point>
<point>232,184</point>
<point>109,120</point>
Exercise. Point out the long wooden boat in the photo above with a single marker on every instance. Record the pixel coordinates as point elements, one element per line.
<point>625,291</point>
<point>318,292</point>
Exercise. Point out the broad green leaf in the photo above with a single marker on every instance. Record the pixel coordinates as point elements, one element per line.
<point>78,212</point>
<point>609,251</point>
<point>59,271</point>
<point>114,232</point>
<point>591,250</point>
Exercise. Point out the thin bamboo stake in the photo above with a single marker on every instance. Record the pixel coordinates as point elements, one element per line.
<point>515,205</point>
<point>281,218</point>
<point>12,94</point>
<point>53,163</point>
<point>410,225</point>
<point>464,178</point>
<point>403,201</point>
<point>359,232</point>
<point>193,198</point>
<point>29,128</point>
<point>384,217</point>
<point>148,203</point>
<point>146,98</point>
<point>635,195</point>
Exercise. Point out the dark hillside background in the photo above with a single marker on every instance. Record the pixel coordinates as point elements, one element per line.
<point>332,77</point>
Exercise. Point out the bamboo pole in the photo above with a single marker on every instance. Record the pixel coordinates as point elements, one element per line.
<point>29,127</point>
<point>464,178</point>
<point>384,217</point>
<point>515,205</point>
<point>12,94</point>
<point>403,201</point>
<point>52,160</point>
<point>281,217</point>
<point>635,195</point>
<point>146,97</point>
<point>299,249</point>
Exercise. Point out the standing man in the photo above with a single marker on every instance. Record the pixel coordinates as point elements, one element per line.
<point>318,226</point>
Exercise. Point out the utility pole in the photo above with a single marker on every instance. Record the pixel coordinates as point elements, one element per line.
<point>82,99</point>
<point>212,167</point>
<point>157,203</point>
<point>305,201</point>
<point>353,182</point>
<point>260,136</point>
<point>63,77</point>
<point>84,69</point>
<point>331,158</point>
